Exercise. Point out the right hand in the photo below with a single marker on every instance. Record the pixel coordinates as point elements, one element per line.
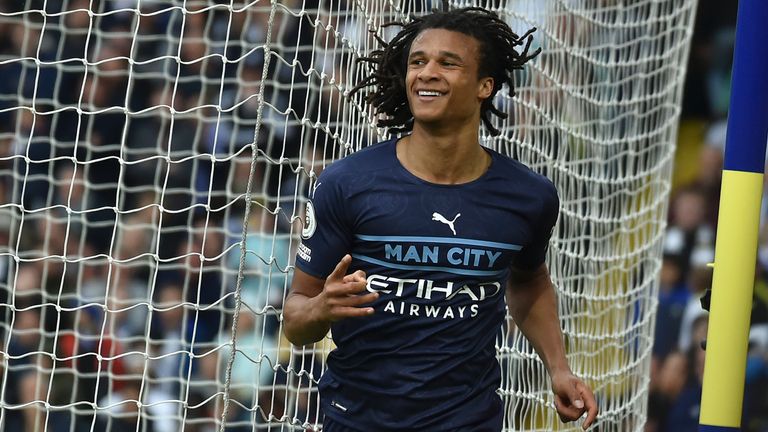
<point>573,398</point>
<point>341,297</point>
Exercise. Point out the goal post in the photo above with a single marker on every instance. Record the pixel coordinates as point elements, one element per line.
<point>156,156</point>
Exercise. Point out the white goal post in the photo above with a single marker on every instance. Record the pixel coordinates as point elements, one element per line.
<point>155,158</point>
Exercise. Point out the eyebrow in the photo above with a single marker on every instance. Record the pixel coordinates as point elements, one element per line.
<point>447,54</point>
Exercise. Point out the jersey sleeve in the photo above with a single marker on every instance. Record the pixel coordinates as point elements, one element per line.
<point>327,233</point>
<point>534,253</point>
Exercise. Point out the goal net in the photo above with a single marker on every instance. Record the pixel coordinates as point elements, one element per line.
<point>155,158</point>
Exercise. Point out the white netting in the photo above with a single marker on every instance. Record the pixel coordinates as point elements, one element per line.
<point>139,138</point>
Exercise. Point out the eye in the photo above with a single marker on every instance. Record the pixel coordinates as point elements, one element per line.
<point>417,62</point>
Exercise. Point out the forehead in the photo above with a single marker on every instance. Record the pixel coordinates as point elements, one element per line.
<point>435,40</point>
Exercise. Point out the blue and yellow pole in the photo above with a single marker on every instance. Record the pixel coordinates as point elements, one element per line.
<point>738,224</point>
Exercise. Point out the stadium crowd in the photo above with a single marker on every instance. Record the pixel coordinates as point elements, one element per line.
<point>681,324</point>
<point>131,280</point>
<point>77,256</point>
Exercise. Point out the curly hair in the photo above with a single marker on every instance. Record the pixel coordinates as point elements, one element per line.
<point>498,60</point>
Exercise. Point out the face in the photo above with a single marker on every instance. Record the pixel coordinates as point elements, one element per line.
<point>442,80</point>
<point>689,210</point>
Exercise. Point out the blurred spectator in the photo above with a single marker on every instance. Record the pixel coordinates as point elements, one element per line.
<point>200,274</point>
<point>32,150</point>
<point>673,298</point>
<point>689,238</point>
<point>253,367</point>
<point>673,405</point>
<point>699,281</point>
<point>265,268</point>
<point>679,324</point>
<point>86,363</point>
<point>712,18</point>
<point>119,409</point>
<point>26,368</point>
<point>127,300</point>
<point>170,321</point>
<point>684,413</point>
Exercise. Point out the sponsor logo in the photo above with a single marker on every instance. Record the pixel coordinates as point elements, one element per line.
<point>304,252</point>
<point>432,311</point>
<point>422,254</point>
<point>429,289</point>
<point>442,219</point>
<point>436,291</point>
<point>310,223</point>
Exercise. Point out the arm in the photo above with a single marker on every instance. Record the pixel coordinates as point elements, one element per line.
<point>302,325</point>
<point>314,303</point>
<point>533,306</point>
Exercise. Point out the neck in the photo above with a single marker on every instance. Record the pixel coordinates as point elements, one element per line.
<point>443,157</point>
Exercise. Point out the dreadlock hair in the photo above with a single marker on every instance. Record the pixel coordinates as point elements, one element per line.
<point>498,60</point>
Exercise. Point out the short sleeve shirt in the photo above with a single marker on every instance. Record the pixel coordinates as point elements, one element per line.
<point>439,255</point>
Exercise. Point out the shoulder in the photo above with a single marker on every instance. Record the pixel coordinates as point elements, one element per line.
<point>522,177</point>
<point>371,158</point>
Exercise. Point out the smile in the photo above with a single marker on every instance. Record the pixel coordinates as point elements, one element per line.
<point>429,93</point>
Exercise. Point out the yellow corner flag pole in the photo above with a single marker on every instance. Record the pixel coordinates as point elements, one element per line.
<point>738,224</point>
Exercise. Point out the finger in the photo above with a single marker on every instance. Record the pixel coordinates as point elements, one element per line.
<point>346,290</point>
<point>349,288</point>
<point>591,416</point>
<point>359,300</point>
<point>590,404</point>
<point>340,312</point>
<point>574,395</point>
<point>341,268</point>
<point>566,411</point>
<point>358,276</point>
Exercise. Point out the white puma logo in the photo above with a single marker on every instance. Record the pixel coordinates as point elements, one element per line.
<point>314,188</point>
<point>440,218</point>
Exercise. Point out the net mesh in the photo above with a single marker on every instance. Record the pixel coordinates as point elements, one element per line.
<point>155,157</point>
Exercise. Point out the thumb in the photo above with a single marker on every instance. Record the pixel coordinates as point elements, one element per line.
<point>341,268</point>
<point>578,403</point>
<point>574,396</point>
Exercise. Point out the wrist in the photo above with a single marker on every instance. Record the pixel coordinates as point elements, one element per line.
<point>559,368</point>
<point>316,313</point>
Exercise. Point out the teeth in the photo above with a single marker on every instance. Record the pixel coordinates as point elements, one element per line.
<point>428,93</point>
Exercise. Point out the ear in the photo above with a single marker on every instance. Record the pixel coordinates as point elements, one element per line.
<point>485,88</point>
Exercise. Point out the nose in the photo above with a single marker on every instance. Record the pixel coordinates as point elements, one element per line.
<point>429,71</point>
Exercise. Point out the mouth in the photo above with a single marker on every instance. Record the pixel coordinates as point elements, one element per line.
<point>428,95</point>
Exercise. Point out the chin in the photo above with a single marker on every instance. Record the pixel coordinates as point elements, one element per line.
<point>428,118</point>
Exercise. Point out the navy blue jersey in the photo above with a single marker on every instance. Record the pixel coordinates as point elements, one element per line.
<point>439,255</point>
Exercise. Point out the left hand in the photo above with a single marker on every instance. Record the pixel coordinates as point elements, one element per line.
<point>573,398</point>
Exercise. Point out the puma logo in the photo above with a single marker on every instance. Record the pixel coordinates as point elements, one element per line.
<point>440,218</point>
<point>314,188</point>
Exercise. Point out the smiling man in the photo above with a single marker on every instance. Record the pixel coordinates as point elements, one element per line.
<point>410,245</point>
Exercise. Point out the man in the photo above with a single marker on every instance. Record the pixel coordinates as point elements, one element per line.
<point>410,244</point>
